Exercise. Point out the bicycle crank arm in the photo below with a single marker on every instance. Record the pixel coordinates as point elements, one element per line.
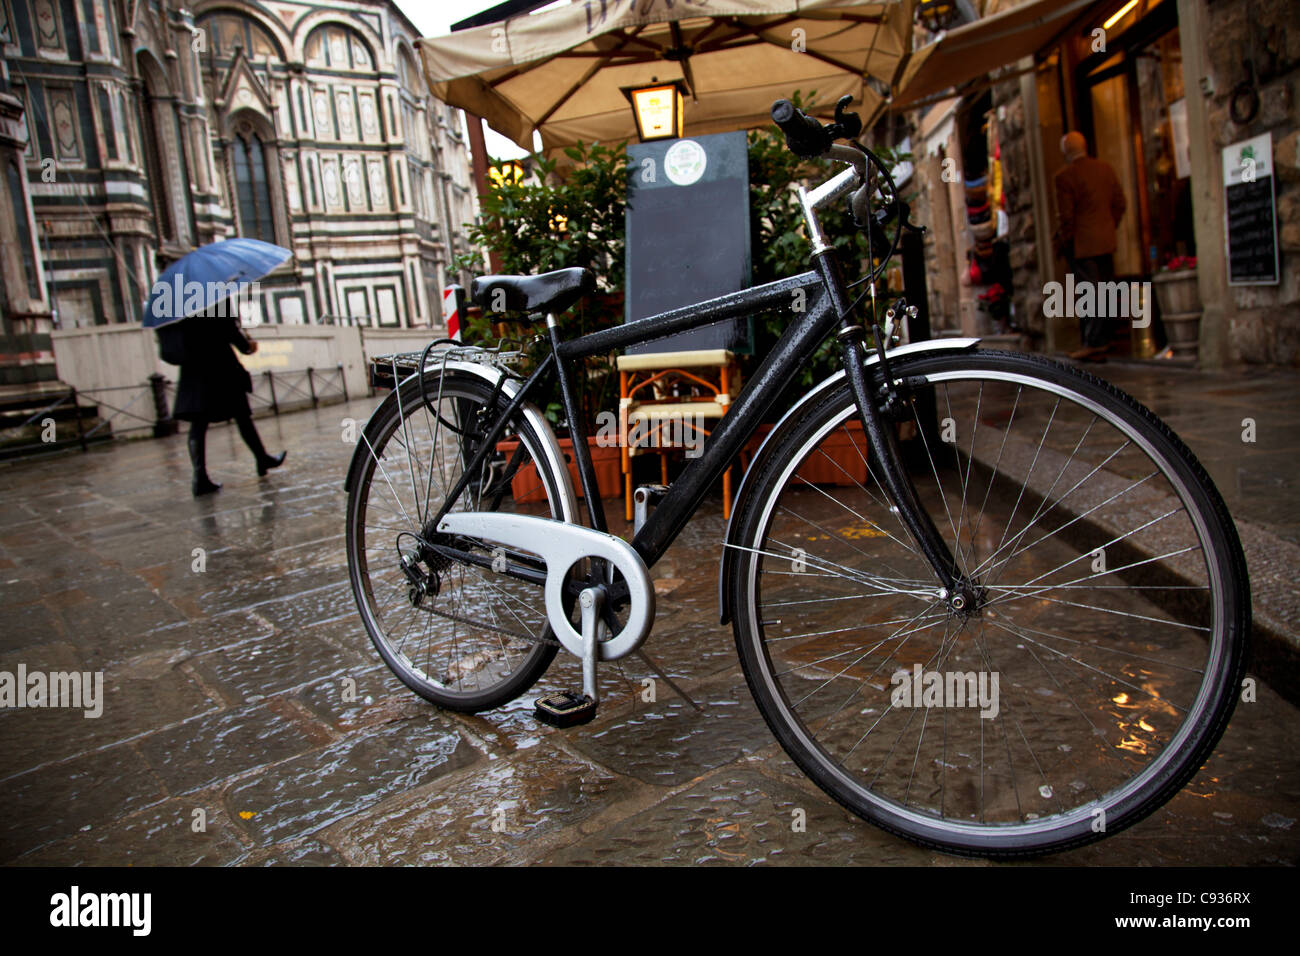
<point>562,546</point>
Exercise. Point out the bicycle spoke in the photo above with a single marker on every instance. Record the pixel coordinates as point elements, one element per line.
<point>1059,687</point>
<point>465,634</point>
<point>1074,660</point>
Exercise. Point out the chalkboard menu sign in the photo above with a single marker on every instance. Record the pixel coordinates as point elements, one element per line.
<point>1251,212</point>
<point>688,234</point>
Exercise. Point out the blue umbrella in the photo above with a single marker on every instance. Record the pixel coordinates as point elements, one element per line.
<point>208,276</point>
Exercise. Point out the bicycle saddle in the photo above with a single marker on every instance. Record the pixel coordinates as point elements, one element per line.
<point>548,292</point>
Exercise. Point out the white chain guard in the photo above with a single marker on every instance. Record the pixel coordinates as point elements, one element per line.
<point>562,546</point>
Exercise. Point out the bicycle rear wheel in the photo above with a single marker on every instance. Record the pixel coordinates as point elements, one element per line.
<point>458,633</point>
<point>1099,661</point>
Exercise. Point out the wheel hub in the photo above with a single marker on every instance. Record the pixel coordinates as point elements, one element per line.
<point>423,565</point>
<point>966,599</point>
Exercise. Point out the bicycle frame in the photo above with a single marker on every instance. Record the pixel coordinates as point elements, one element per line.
<point>826,302</point>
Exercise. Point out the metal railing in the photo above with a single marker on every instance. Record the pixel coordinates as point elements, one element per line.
<point>293,389</point>
<point>132,408</point>
<point>136,408</point>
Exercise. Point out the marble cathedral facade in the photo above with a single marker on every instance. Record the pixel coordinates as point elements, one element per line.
<point>133,131</point>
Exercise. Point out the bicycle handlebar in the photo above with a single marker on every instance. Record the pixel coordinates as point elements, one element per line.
<point>808,138</point>
<point>804,136</point>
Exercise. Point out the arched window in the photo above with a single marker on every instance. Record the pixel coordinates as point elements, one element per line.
<point>253,187</point>
<point>409,74</point>
<point>337,47</point>
<point>155,110</point>
<point>227,31</point>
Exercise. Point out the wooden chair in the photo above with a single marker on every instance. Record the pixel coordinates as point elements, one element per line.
<point>663,397</point>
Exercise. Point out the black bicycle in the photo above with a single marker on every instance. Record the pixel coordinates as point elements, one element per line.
<point>1015,622</point>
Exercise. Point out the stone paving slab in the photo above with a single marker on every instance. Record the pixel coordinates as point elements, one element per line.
<point>740,816</point>
<point>492,812</point>
<point>55,801</point>
<point>161,835</point>
<point>251,693</point>
<point>303,795</point>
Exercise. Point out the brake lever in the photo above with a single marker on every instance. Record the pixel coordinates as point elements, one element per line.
<point>847,125</point>
<point>904,210</point>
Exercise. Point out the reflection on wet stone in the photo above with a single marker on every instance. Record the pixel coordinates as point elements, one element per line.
<point>669,743</point>
<point>485,815</point>
<point>185,832</point>
<point>214,747</point>
<point>741,818</point>
<point>302,795</point>
<point>228,691</point>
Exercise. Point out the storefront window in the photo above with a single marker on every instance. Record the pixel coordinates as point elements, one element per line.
<point>1133,104</point>
<point>1166,157</point>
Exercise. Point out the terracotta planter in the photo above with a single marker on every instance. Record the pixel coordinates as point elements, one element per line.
<point>1177,292</point>
<point>843,462</point>
<point>527,484</point>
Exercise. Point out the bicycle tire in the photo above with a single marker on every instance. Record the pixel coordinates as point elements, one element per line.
<point>374,550</point>
<point>1167,770</point>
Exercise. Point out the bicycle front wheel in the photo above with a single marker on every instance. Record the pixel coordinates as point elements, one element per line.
<point>1098,649</point>
<point>458,632</point>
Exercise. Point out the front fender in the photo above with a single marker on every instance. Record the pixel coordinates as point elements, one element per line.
<point>788,421</point>
<point>491,375</point>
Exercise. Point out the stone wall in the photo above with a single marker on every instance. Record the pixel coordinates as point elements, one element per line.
<point>1264,321</point>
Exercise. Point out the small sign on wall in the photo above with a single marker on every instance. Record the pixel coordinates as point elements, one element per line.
<point>1251,212</point>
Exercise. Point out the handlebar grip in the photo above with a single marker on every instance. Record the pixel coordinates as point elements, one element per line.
<point>804,136</point>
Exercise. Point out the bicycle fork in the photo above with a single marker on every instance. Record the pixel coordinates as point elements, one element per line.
<point>884,444</point>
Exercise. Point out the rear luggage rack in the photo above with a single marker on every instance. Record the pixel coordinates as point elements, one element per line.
<point>386,370</point>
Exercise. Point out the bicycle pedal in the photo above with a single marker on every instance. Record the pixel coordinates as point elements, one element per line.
<point>565,709</point>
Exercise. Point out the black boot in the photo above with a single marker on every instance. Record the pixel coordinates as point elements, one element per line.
<point>267,462</point>
<point>253,440</point>
<point>202,484</point>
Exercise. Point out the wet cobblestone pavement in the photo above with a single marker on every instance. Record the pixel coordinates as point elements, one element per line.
<point>248,720</point>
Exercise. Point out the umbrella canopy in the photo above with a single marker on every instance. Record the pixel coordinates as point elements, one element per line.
<point>975,49</point>
<point>208,276</point>
<point>562,72</point>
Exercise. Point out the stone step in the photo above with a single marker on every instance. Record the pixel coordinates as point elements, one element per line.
<point>24,410</point>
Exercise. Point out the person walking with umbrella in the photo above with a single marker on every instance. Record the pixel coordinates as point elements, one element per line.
<point>193,308</point>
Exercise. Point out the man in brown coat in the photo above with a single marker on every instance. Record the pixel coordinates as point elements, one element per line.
<point>1090,204</point>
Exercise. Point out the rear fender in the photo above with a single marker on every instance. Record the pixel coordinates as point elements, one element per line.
<point>550,446</point>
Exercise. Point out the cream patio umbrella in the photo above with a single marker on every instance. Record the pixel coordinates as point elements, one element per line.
<point>562,72</point>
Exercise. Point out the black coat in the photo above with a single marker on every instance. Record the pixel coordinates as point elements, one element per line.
<point>213,385</point>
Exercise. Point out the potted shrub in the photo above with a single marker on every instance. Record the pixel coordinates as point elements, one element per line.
<point>551,219</point>
<point>840,459</point>
<point>780,247</point>
<point>607,460</point>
